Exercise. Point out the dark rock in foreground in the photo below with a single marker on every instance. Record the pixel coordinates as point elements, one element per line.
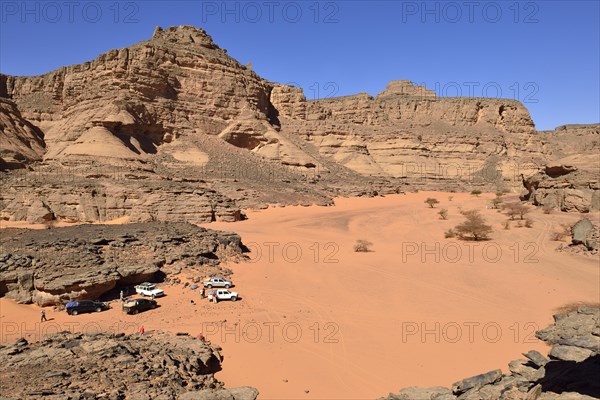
<point>78,366</point>
<point>86,261</point>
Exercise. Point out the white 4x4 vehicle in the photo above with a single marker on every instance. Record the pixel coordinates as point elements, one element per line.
<point>149,289</point>
<point>222,294</point>
<point>217,282</point>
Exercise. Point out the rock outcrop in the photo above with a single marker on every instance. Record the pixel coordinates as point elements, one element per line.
<point>572,181</point>
<point>569,372</point>
<point>57,265</point>
<point>585,238</point>
<point>114,366</point>
<point>105,194</point>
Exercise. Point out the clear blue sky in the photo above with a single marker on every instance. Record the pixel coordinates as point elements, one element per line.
<point>543,53</point>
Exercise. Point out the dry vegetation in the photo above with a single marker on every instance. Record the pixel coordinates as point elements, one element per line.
<point>443,213</point>
<point>362,246</point>
<point>564,232</point>
<point>474,227</point>
<point>515,209</point>
<point>432,201</point>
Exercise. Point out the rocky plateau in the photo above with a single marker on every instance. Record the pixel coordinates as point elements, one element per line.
<point>57,265</point>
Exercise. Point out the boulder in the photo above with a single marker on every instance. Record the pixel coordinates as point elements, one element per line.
<point>240,393</point>
<point>476,381</point>
<point>582,231</point>
<point>569,353</point>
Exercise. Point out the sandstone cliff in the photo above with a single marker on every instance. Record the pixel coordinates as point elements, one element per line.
<point>406,132</point>
<point>176,114</point>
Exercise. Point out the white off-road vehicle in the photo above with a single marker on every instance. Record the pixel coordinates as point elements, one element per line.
<point>149,289</point>
<point>217,282</point>
<point>222,294</point>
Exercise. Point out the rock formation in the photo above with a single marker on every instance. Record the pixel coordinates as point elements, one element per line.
<point>178,108</point>
<point>571,182</point>
<point>20,141</point>
<point>569,372</point>
<point>406,132</point>
<point>114,366</point>
<point>585,238</point>
<point>56,265</point>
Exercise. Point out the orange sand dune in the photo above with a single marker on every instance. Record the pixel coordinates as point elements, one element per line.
<point>320,321</point>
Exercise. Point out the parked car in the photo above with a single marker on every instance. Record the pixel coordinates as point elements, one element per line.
<point>134,306</point>
<point>222,294</point>
<point>149,289</point>
<point>83,306</point>
<point>217,282</point>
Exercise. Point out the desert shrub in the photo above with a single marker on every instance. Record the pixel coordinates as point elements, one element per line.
<point>557,237</point>
<point>528,223</point>
<point>547,209</point>
<point>362,246</point>
<point>443,213</point>
<point>506,224</point>
<point>515,209</point>
<point>474,227</point>
<point>476,192</point>
<point>450,198</point>
<point>432,201</point>
<point>496,203</point>
<point>449,234</point>
<point>560,235</point>
<point>519,224</point>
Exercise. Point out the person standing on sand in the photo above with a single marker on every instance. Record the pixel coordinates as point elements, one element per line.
<point>121,296</point>
<point>43,316</point>
<point>202,293</point>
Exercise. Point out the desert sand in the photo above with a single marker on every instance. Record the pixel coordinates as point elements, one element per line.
<point>317,320</point>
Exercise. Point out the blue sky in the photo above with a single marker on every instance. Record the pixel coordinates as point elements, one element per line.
<point>543,53</point>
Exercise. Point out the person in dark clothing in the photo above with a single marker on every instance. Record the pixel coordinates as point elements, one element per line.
<point>44,316</point>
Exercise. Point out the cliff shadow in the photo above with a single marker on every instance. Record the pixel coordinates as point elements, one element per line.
<point>571,376</point>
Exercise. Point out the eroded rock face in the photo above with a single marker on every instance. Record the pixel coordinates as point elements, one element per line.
<point>172,129</point>
<point>178,83</point>
<point>48,197</point>
<point>176,106</point>
<point>20,141</point>
<point>57,265</point>
<point>570,372</point>
<point>114,366</point>
<point>407,133</point>
<point>571,181</point>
